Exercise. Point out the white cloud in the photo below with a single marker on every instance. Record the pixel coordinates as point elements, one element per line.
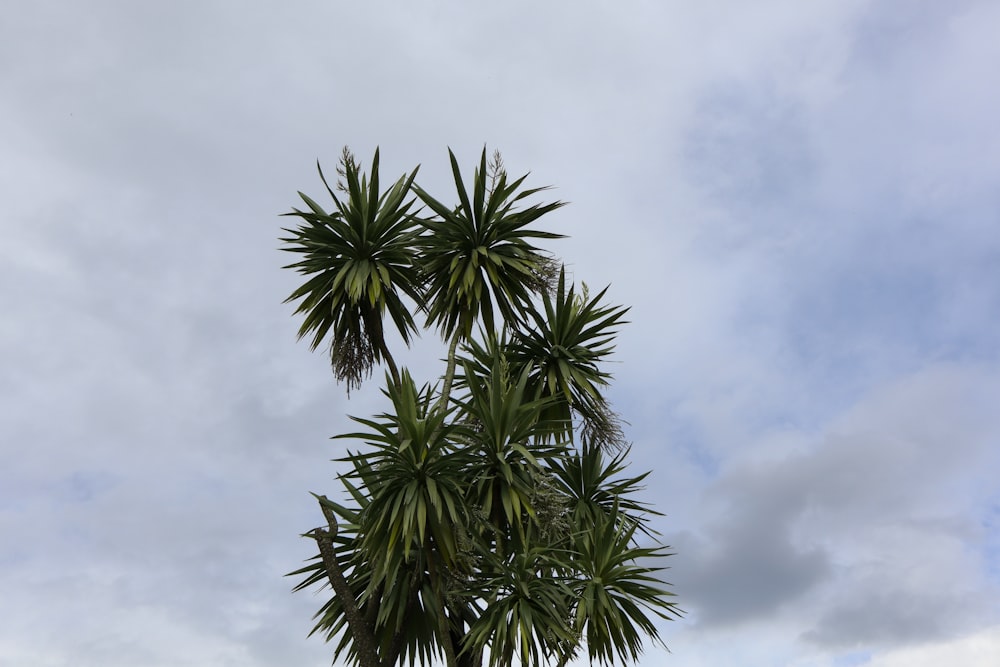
<point>979,649</point>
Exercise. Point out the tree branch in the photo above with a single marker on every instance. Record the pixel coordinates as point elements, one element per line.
<point>364,640</point>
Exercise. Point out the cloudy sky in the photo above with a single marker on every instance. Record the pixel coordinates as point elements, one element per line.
<point>799,200</point>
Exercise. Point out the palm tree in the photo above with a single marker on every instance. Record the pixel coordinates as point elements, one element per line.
<point>613,595</point>
<point>402,542</point>
<point>611,591</point>
<point>502,425</point>
<point>562,346</point>
<point>480,524</point>
<point>473,533</point>
<point>479,257</point>
<point>417,511</point>
<point>360,260</point>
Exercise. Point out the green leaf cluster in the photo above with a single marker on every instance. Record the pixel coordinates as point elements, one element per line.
<point>360,263</point>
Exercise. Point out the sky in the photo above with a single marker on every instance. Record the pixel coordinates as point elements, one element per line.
<point>800,201</point>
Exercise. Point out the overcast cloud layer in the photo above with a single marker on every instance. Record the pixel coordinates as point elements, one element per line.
<point>800,201</point>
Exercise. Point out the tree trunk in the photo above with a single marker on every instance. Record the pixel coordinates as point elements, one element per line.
<point>391,363</point>
<point>364,640</point>
<point>449,374</point>
<point>376,334</point>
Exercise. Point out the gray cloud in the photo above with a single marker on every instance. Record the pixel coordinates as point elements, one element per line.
<point>854,530</point>
<point>747,573</point>
<point>886,617</point>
